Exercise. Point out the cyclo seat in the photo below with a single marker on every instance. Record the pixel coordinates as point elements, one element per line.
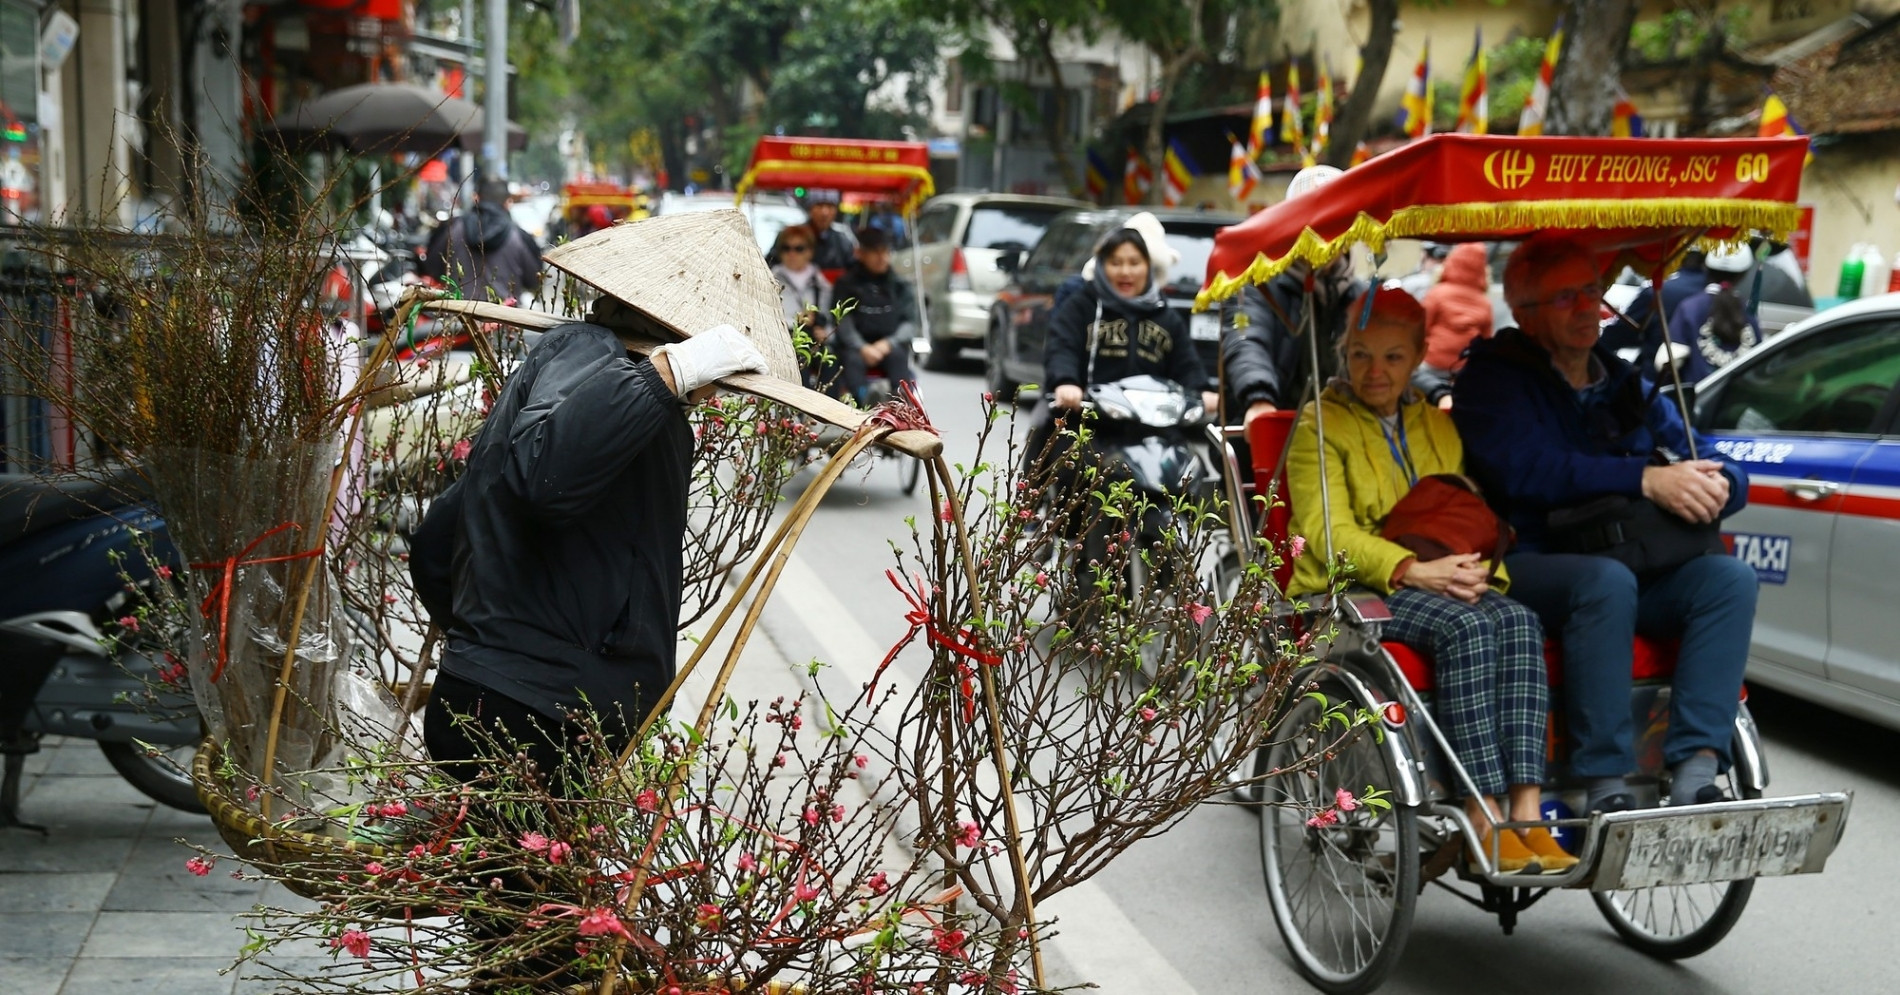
<point>1655,659</point>
<point>30,504</point>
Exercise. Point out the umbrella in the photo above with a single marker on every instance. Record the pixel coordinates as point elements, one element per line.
<point>387,118</point>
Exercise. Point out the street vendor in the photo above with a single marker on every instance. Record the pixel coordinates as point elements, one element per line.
<point>554,563</point>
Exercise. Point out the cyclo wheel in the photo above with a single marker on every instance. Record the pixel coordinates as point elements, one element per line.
<point>910,469</point>
<point>1674,922</point>
<point>1342,895</point>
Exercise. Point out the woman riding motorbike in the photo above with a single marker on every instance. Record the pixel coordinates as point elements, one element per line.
<point>1382,438</point>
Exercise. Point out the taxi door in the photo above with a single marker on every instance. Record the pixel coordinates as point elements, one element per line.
<point>1801,413</point>
<point>1863,654</point>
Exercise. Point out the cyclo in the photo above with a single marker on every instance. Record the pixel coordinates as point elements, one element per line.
<point>896,172</point>
<point>1671,881</point>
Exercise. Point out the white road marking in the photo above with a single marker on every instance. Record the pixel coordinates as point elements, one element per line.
<point>1098,942</point>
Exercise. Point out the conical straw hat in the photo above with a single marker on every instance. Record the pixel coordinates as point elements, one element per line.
<point>688,272</point>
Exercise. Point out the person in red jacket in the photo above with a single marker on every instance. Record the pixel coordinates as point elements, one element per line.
<point>1457,313</point>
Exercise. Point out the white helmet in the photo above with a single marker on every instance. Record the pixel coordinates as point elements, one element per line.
<point>1312,178</point>
<point>1730,259</point>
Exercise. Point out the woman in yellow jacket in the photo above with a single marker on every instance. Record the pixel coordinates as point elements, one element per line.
<point>1381,438</point>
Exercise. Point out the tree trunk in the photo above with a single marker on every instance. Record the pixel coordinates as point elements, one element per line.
<point>1158,123</point>
<point>1349,125</point>
<point>1057,120</point>
<point>1713,42</point>
<point>1583,89</point>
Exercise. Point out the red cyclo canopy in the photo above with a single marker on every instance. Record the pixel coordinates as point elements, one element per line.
<point>899,170</point>
<point>1621,191</point>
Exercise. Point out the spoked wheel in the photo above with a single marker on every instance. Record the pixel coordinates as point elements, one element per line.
<point>1342,894</point>
<point>910,469</point>
<point>1678,921</point>
<point>1221,575</point>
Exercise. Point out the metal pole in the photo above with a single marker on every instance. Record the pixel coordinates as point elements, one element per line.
<point>495,106</point>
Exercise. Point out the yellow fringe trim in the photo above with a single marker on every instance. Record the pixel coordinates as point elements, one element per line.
<point>1775,217</point>
<point>925,185</point>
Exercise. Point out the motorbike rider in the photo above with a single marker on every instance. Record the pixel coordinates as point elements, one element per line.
<point>880,317</point>
<point>483,252</point>
<point>1264,360</point>
<point>1118,325</point>
<point>834,245</point>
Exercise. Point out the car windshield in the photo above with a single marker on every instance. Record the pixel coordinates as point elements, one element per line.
<point>1195,245</point>
<point>1008,226</point>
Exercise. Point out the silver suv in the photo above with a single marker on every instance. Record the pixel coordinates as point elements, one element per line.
<point>960,238</point>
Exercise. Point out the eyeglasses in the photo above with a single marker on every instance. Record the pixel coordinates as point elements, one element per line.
<point>1589,294</point>
<point>797,247</point>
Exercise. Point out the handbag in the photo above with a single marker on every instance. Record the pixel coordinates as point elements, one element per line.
<point>1635,532</point>
<point>1443,515</point>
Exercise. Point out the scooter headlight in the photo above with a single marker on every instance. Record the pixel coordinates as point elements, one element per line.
<point>1157,409</point>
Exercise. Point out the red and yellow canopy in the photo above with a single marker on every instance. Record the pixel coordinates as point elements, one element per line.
<point>1613,193</point>
<point>898,170</point>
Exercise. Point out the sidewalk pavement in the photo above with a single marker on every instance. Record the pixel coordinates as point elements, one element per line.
<point>103,902</point>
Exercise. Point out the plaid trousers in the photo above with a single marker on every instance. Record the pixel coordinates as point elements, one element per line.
<point>1488,659</point>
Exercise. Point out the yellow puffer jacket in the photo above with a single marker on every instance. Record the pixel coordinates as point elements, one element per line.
<point>1364,483</point>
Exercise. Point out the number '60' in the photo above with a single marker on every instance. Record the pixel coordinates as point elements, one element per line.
<point>1752,168</point>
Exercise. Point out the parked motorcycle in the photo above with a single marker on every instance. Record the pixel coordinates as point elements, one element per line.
<point>57,676</point>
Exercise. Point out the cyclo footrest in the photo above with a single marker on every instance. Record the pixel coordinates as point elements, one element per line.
<point>1720,841</point>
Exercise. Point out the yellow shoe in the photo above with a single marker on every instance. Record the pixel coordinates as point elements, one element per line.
<point>1551,855</point>
<point>1513,857</point>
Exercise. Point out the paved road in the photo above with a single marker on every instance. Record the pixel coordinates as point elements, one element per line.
<point>1186,913</point>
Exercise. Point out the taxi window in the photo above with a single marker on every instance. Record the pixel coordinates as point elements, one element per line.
<point>1834,382</point>
<point>934,224</point>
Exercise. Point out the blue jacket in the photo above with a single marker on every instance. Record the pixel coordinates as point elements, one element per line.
<point>1534,444</point>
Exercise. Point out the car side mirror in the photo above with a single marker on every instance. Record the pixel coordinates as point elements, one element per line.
<point>1009,260</point>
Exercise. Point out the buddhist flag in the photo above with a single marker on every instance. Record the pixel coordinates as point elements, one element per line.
<point>1415,114</point>
<point>1292,122</point>
<point>1261,132</point>
<point>1180,170</point>
<point>1624,121</point>
<point>1096,176</point>
<point>1776,122</point>
<point>1137,178</point>
<point>1474,108</point>
<point>1241,177</point>
<point>1323,114</point>
<point>1360,153</point>
<point>1531,122</point>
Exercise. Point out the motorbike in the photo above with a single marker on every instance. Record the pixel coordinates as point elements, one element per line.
<point>68,549</point>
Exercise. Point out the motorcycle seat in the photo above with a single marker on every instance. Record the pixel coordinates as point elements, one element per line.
<point>30,504</point>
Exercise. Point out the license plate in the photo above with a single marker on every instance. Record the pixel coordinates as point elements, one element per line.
<point>1204,327</point>
<point>1733,842</point>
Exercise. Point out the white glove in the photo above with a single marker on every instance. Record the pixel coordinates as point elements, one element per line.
<point>714,354</point>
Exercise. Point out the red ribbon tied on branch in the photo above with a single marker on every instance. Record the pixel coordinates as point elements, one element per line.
<point>903,412</point>
<point>221,590</point>
<point>922,621</point>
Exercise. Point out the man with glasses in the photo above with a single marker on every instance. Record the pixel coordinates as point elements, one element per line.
<point>1551,420</point>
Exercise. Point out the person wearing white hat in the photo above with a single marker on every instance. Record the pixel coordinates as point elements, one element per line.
<point>1714,326</point>
<point>1264,358</point>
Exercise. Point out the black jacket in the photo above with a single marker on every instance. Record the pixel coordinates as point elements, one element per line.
<point>1128,342</point>
<point>564,534</point>
<point>484,254</point>
<point>885,306</point>
<point>1264,360</point>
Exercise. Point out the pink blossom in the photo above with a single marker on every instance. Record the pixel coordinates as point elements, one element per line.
<point>175,675</point>
<point>394,810</point>
<point>602,922</point>
<point>1200,613</point>
<point>130,623</point>
<point>861,760</point>
<point>779,760</point>
<point>461,449</point>
<point>1323,819</point>
<point>1295,546</point>
<point>389,599</point>
<point>944,513</point>
<point>164,572</point>
<point>200,866</point>
<point>353,940</point>
<point>709,917</point>
<point>948,941</point>
<point>533,842</point>
<point>1344,800</point>
<point>837,813</point>
<point>558,852</point>
<point>647,801</point>
<point>968,834</point>
<point>794,722</point>
<point>805,891</point>
<point>373,868</point>
<point>1147,714</point>
<point>748,863</point>
<point>812,817</point>
<point>877,883</point>
<point>1042,579</point>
